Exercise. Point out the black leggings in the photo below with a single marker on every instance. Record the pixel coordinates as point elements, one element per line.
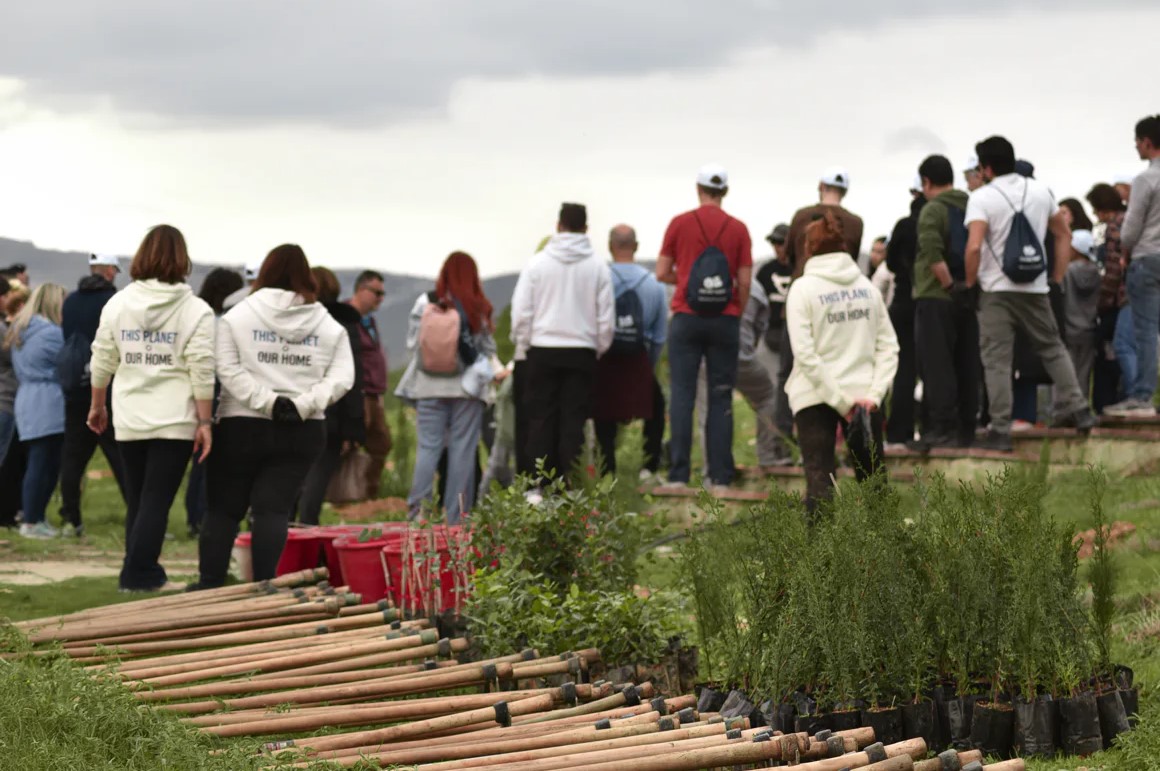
<point>259,466</point>
<point>817,430</point>
<point>153,470</point>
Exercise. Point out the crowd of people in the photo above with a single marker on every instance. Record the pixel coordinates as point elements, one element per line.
<point>265,385</point>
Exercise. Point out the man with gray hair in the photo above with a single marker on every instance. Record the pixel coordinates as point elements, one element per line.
<point>626,384</point>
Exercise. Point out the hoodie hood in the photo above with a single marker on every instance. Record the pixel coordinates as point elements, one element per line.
<point>154,302</point>
<point>94,283</point>
<point>284,312</point>
<point>837,267</point>
<point>37,325</point>
<point>343,313</point>
<point>569,247</point>
<point>953,197</point>
<point>1085,276</point>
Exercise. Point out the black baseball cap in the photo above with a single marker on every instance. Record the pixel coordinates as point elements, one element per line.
<point>779,234</point>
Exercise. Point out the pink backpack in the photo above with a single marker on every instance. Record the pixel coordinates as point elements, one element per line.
<point>439,340</point>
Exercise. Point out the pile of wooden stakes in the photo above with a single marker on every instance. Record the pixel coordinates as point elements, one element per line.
<point>293,656</point>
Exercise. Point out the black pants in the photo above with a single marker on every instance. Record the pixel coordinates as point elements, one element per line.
<point>558,400</point>
<point>784,419</point>
<point>654,435</point>
<point>317,480</point>
<point>153,469</point>
<point>525,462</point>
<point>900,425</point>
<point>1106,372</point>
<point>79,445</point>
<point>258,466</point>
<point>947,338</point>
<point>817,428</point>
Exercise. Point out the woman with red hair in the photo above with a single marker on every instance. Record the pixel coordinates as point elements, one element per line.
<point>451,345</point>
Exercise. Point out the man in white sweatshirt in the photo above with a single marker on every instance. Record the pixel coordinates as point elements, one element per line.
<point>563,315</point>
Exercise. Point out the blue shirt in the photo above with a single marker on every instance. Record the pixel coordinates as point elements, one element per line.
<point>653,302</point>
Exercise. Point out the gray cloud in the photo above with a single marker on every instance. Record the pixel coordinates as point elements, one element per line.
<point>359,62</point>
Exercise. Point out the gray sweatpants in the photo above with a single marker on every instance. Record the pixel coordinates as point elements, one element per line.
<point>1000,314</point>
<point>756,384</point>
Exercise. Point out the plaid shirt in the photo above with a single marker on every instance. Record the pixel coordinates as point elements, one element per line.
<point>1113,293</point>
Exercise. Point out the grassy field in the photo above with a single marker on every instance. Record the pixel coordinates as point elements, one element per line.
<point>40,702</point>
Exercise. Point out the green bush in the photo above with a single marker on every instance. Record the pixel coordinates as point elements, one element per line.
<point>980,589</point>
<point>561,575</point>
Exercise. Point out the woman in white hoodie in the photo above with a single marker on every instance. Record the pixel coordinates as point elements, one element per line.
<point>446,380</point>
<point>845,355</point>
<point>156,336</point>
<point>282,359</point>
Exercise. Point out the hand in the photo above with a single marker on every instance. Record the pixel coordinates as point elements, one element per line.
<point>98,421</point>
<point>502,375</point>
<point>203,442</point>
<point>867,404</point>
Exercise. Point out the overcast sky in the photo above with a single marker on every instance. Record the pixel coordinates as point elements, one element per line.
<point>386,134</point>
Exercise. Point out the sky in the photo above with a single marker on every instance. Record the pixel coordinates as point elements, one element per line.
<point>386,134</point>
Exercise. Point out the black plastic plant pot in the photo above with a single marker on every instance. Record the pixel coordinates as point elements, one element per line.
<point>886,722</point>
<point>959,712</point>
<point>786,713</point>
<point>710,700</point>
<point>1079,725</point>
<point>1130,697</point>
<point>920,721</point>
<point>844,720</point>
<point>993,729</point>
<point>1124,677</point>
<point>737,704</point>
<point>1037,728</point>
<point>1113,717</point>
<point>810,724</point>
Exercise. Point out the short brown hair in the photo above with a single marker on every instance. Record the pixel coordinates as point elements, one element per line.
<point>824,235</point>
<point>162,256</point>
<point>286,268</point>
<point>1103,197</point>
<point>328,286</point>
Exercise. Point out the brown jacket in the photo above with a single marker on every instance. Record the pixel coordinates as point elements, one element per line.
<point>795,243</point>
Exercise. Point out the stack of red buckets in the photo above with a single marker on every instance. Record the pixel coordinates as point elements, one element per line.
<point>423,570</point>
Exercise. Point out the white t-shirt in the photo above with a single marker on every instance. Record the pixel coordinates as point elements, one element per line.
<point>987,204</point>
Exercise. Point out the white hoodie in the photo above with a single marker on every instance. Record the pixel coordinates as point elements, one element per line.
<point>158,339</point>
<point>564,298</point>
<point>844,346</point>
<point>272,344</point>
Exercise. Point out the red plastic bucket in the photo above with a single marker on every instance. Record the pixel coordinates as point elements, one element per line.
<point>362,563</point>
<point>301,552</point>
<point>427,570</point>
<point>329,534</point>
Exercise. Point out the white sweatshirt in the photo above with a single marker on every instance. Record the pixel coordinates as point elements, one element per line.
<point>158,339</point>
<point>272,344</point>
<point>844,346</point>
<point>564,298</point>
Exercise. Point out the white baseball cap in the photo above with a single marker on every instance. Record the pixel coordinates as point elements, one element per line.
<point>836,176</point>
<point>1083,242</point>
<point>972,163</point>
<point>916,184</point>
<point>1124,179</point>
<point>106,260</point>
<point>714,176</point>
<point>252,269</point>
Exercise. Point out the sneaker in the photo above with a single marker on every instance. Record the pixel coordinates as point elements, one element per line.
<point>645,476</point>
<point>1021,425</point>
<point>1081,420</point>
<point>41,531</point>
<point>671,487</point>
<point>73,531</point>
<point>1131,408</point>
<point>718,491</point>
<point>995,441</point>
<point>896,446</point>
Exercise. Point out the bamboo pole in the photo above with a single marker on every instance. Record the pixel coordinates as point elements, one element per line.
<point>936,764</point>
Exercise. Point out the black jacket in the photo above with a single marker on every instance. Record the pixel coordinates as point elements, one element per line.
<point>345,419</point>
<point>900,254</point>
<point>81,314</point>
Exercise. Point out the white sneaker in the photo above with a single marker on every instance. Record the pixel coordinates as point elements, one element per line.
<point>899,447</point>
<point>73,531</point>
<point>41,531</point>
<point>1131,408</point>
<point>1021,425</point>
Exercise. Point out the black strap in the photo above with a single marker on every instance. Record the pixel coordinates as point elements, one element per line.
<point>705,235</point>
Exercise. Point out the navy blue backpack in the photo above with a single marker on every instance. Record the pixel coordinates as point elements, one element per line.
<point>628,335</point>
<point>1024,258</point>
<point>956,257</point>
<point>710,285</point>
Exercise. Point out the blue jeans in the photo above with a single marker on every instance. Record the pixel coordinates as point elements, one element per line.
<point>7,431</point>
<point>716,340</point>
<point>454,425</point>
<point>1124,344</point>
<point>40,476</point>
<point>1143,283</point>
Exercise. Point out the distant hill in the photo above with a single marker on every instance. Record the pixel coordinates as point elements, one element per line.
<point>66,268</point>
